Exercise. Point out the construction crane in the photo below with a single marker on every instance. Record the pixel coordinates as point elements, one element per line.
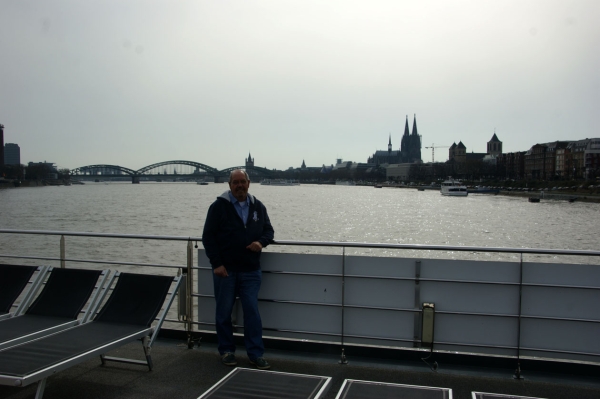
<point>433,147</point>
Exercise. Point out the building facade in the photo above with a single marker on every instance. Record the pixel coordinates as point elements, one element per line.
<point>541,160</point>
<point>1,144</point>
<point>514,164</point>
<point>409,152</point>
<point>12,154</point>
<point>592,158</point>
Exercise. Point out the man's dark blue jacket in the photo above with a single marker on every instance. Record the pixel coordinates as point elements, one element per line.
<point>225,237</point>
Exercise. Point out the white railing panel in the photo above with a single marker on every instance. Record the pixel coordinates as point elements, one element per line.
<point>298,317</point>
<point>380,266</point>
<point>398,294</point>
<point>558,335</point>
<point>492,335</point>
<point>378,323</point>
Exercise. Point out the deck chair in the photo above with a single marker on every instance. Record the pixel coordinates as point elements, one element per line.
<point>13,283</point>
<point>243,383</point>
<point>357,389</point>
<point>57,307</point>
<point>126,316</point>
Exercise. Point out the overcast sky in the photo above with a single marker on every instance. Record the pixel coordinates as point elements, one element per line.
<point>137,82</point>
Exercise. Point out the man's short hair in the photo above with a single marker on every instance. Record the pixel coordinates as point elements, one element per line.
<point>238,170</point>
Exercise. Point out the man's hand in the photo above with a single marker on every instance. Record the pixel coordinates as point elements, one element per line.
<point>255,246</point>
<point>221,271</point>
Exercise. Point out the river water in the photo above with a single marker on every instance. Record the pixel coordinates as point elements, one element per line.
<point>301,213</point>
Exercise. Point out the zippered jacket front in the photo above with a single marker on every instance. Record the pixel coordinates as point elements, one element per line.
<point>225,237</point>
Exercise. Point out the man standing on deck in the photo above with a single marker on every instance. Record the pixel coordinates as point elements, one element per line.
<point>237,228</point>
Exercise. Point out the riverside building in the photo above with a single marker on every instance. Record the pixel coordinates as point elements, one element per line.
<point>12,154</point>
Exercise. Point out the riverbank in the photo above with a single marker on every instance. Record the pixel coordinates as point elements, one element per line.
<point>9,183</point>
<point>564,196</point>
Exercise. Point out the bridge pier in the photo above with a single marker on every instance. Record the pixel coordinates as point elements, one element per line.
<point>135,180</point>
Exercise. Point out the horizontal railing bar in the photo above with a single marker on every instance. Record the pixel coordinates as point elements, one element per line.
<point>302,273</point>
<point>420,247</point>
<point>311,274</point>
<point>560,319</point>
<point>339,305</point>
<point>105,262</point>
<point>101,235</point>
<point>524,316</point>
<point>515,348</point>
<point>476,345</point>
<point>27,257</point>
<point>583,287</point>
<point>421,279</point>
<point>440,247</point>
<point>560,351</point>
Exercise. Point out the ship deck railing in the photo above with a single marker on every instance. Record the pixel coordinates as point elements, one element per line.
<point>515,307</point>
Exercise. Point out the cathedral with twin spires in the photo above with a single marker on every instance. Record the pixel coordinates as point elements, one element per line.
<point>409,152</point>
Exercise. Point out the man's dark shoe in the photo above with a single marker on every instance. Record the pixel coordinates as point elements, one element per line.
<point>228,359</point>
<point>260,363</point>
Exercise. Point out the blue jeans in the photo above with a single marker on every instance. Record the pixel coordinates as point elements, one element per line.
<point>245,285</point>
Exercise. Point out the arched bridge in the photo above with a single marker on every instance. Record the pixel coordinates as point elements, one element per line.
<point>180,168</point>
<point>94,169</point>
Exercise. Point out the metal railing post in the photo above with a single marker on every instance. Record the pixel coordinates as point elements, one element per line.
<point>343,359</point>
<point>190,286</point>
<point>62,252</point>
<point>418,310</point>
<point>517,374</point>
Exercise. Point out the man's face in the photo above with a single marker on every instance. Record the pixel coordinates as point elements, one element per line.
<point>239,186</point>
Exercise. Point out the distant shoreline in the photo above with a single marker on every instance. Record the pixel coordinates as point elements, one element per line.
<point>544,195</point>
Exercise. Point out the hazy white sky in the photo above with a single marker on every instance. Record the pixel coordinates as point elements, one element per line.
<point>137,82</point>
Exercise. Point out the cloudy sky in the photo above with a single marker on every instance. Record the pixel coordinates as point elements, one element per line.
<point>137,82</point>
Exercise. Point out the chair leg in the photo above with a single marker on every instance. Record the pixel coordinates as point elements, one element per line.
<point>145,344</point>
<point>40,389</point>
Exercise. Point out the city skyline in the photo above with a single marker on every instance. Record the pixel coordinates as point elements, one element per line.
<point>288,81</point>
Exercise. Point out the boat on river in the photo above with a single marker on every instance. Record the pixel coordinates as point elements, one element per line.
<point>344,183</point>
<point>279,182</point>
<point>454,188</point>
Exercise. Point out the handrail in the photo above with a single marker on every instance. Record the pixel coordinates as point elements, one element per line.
<point>105,235</point>
<point>421,247</point>
<point>189,321</point>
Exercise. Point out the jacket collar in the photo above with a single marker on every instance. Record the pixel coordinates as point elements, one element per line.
<point>225,196</point>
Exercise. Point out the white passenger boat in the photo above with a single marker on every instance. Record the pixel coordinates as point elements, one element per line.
<point>453,188</point>
<point>279,182</point>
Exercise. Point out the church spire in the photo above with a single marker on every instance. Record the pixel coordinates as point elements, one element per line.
<point>390,143</point>
<point>414,129</point>
<point>249,161</point>
<point>406,132</point>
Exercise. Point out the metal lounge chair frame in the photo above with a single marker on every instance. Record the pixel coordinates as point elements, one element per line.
<point>244,383</point>
<point>57,307</point>
<point>14,280</point>
<point>354,389</point>
<point>358,389</point>
<point>114,326</point>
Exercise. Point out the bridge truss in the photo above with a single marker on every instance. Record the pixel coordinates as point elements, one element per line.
<point>255,172</point>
